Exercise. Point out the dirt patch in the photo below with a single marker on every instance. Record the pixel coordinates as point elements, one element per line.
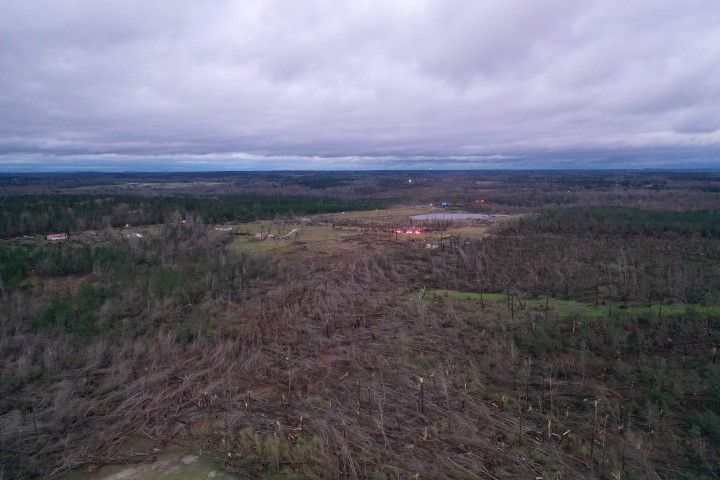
<point>175,466</point>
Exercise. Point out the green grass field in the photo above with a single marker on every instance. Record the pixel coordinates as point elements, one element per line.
<point>572,308</point>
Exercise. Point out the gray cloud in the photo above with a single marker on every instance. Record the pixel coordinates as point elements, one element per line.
<point>366,80</point>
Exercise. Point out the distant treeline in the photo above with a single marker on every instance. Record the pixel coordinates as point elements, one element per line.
<point>24,215</point>
<point>625,221</point>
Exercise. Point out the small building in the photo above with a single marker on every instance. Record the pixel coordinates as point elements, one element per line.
<point>224,228</point>
<point>57,237</point>
<point>134,235</point>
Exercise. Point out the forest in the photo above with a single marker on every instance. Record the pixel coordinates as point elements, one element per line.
<point>572,334</point>
<point>28,214</point>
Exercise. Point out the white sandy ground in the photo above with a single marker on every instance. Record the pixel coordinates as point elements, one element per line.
<point>168,466</point>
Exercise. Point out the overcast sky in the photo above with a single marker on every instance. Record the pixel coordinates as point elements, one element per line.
<point>125,84</point>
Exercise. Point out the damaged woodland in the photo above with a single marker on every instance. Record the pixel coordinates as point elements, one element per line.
<point>565,341</point>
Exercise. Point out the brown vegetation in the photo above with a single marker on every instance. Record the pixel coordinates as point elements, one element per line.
<point>350,365</point>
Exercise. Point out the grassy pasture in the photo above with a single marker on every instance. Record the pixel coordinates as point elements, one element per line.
<point>573,308</point>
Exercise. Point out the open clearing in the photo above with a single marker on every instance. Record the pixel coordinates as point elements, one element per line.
<point>166,466</point>
<point>566,309</point>
<point>341,232</point>
<point>449,216</point>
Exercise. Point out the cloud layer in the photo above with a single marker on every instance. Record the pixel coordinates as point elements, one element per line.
<point>364,80</point>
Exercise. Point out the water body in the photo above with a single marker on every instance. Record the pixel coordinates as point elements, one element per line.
<point>449,216</point>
